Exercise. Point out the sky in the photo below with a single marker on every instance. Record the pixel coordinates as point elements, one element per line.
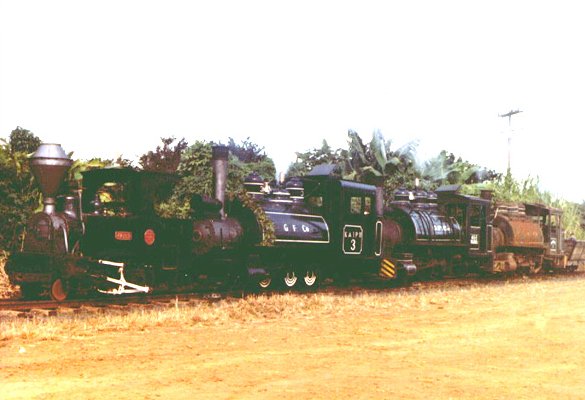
<point>107,78</point>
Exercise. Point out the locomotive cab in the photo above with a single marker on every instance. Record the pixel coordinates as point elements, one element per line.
<point>119,215</point>
<point>550,222</point>
<point>350,210</point>
<point>472,213</point>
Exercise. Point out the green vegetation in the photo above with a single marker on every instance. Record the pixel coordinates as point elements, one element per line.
<point>376,162</point>
<point>19,195</point>
<point>508,189</point>
<point>446,169</point>
<point>194,170</point>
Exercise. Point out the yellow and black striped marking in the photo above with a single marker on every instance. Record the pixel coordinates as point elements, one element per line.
<point>387,269</point>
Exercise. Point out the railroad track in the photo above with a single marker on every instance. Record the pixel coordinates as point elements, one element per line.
<point>47,308</point>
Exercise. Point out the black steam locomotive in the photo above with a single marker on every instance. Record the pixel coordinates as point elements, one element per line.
<point>290,236</point>
<point>109,237</point>
<point>453,234</point>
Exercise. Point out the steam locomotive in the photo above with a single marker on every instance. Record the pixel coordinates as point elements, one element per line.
<point>109,237</point>
<point>453,234</point>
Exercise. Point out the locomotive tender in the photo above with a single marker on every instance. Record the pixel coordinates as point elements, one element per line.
<point>108,236</point>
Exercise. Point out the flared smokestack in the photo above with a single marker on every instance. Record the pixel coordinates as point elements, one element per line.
<point>49,165</point>
<point>219,162</point>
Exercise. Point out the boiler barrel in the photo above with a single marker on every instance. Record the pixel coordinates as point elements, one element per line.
<point>517,232</point>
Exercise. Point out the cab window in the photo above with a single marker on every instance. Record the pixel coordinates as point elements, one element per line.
<point>110,199</point>
<point>315,201</point>
<point>476,215</point>
<point>355,205</point>
<point>367,205</point>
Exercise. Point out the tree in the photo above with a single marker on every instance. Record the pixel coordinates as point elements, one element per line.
<point>19,194</point>
<point>309,159</point>
<point>196,173</point>
<point>74,173</point>
<point>446,169</point>
<point>506,188</point>
<point>377,160</point>
<point>23,141</point>
<point>166,158</point>
<point>247,151</point>
<point>378,163</point>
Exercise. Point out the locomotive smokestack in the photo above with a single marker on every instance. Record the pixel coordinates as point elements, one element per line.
<point>49,164</point>
<point>219,162</point>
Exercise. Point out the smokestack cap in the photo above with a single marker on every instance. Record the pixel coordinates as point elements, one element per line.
<point>49,164</point>
<point>219,152</point>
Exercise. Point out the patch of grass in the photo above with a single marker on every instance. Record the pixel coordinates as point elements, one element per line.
<point>283,307</point>
<point>250,310</point>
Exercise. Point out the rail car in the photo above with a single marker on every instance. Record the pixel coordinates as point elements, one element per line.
<point>109,237</point>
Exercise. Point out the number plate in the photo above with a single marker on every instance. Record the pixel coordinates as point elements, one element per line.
<point>353,239</point>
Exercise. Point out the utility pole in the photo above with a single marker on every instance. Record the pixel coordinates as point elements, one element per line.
<point>509,115</point>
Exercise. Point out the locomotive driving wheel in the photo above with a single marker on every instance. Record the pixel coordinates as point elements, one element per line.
<point>265,282</point>
<point>290,279</point>
<point>59,290</point>
<point>310,278</point>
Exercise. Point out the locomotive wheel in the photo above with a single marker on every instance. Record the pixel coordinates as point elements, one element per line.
<point>290,279</point>
<point>265,282</point>
<point>310,278</point>
<point>59,290</point>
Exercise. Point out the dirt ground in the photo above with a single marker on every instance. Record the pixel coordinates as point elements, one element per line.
<point>522,340</point>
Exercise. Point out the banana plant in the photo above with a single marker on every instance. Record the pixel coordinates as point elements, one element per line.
<point>377,160</point>
<point>446,169</point>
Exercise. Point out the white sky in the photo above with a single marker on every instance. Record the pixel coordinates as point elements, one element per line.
<point>105,78</point>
